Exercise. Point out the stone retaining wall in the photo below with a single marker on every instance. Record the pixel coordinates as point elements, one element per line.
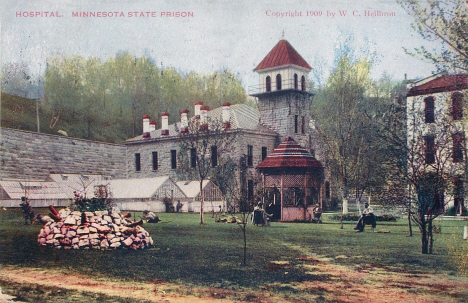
<point>33,156</point>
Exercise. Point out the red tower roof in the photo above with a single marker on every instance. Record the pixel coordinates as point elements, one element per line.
<point>282,54</point>
<point>289,154</point>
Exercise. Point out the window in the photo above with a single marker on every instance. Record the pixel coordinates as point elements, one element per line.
<point>268,84</point>
<point>429,110</point>
<point>193,157</point>
<point>249,155</point>
<point>155,160</point>
<point>303,125</point>
<point>264,152</point>
<point>296,86</point>
<point>457,106</point>
<point>303,84</point>
<point>250,189</point>
<point>457,149</point>
<point>214,156</point>
<point>173,159</point>
<point>296,122</point>
<point>278,82</point>
<point>137,162</point>
<point>429,149</point>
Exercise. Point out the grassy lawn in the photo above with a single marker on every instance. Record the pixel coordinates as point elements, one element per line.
<point>211,255</point>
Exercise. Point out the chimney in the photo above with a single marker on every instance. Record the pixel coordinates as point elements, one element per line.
<point>198,105</point>
<point>226,110</point>
<point>204,117</point>
<point>152,126</point>
<point>146,126</point>
<point>184,121</point>
<point>165,124</point>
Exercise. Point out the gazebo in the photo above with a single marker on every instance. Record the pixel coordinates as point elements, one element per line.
<point>292,180</point>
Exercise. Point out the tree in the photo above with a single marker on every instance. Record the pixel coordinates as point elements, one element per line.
<point>445,21</point>
<point>205,144</point>
<point>230,179</point>
<point>340,109</point>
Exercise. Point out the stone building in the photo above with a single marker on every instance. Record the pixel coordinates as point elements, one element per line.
<point>436,132</point>
<point>283,101</point>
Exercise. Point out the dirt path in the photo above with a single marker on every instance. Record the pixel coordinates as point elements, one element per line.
<point>325,282</point>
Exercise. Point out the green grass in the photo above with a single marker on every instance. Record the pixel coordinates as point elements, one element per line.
<point>211,255</point>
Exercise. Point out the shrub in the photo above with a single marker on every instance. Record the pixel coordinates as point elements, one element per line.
<point>355,217</point>
<point>452,211</point>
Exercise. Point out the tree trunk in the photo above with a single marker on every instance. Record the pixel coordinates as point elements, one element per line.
<point>424,239</point>
<point>430,236</point>
<point>202,217</point>
<point>410,227</point>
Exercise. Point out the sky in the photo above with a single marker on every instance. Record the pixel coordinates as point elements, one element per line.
<point>215,34</point>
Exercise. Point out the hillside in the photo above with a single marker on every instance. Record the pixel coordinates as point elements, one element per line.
<point>18,113</point>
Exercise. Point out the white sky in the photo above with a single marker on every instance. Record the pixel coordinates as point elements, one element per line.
<point>222,34</point>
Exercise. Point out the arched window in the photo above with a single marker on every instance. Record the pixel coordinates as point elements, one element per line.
<point>295,82</point>
<point>457,106</point>
<point>278,82</point>
<point>268,84</point>
<point>303,84</point>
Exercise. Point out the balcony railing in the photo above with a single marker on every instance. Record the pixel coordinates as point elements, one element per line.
<point>288,84</point>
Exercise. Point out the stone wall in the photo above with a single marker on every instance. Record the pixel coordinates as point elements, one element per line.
<point>33,156</point>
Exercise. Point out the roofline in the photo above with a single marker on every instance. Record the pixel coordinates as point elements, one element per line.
<point>177,137</point>
<point>282,66</point>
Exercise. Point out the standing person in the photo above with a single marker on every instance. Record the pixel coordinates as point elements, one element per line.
<point>367,213</point>
<point>28,212</point>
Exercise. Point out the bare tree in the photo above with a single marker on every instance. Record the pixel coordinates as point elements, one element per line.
<point>205,143</point>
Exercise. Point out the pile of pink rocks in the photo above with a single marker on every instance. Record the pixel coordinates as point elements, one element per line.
<point>93,230</point>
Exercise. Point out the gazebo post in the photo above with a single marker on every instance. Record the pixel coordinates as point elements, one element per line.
<point>282,195</point>
<point>306,176</point>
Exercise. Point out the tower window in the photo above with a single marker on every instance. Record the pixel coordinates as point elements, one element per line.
<point>296,123</point>
<point>249,155</point>
<point>303,84</point>
<point>429,149</point>
<point>457,106</point>
<point>155,160</point>
<point>250,189</point>
<point>264,152</point>
<point>296,86</point>
<point>303,125</point>
<point>137,162</point>
<point>429,110</point>
<point>327,190</point>
<point>173,159</point>
<point>268,84</point>
<point>457,151</point>
<point>278,82</point>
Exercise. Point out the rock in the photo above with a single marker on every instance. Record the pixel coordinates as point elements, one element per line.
<point>128,241</point>
<point>82,230</point>
<point>115,245</point>
<point>83,242</point>
<point>70,220</point>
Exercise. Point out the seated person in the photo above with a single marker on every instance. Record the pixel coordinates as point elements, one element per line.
<point>265,217</point>
<point>316,213</point>
<point>150,216</point>
<point>366,213</point>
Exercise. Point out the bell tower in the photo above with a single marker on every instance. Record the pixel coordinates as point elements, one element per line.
<point>283,97</point>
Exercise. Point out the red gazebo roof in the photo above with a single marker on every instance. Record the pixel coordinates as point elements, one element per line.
<point>289,154</point>
<point>282,54</point>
